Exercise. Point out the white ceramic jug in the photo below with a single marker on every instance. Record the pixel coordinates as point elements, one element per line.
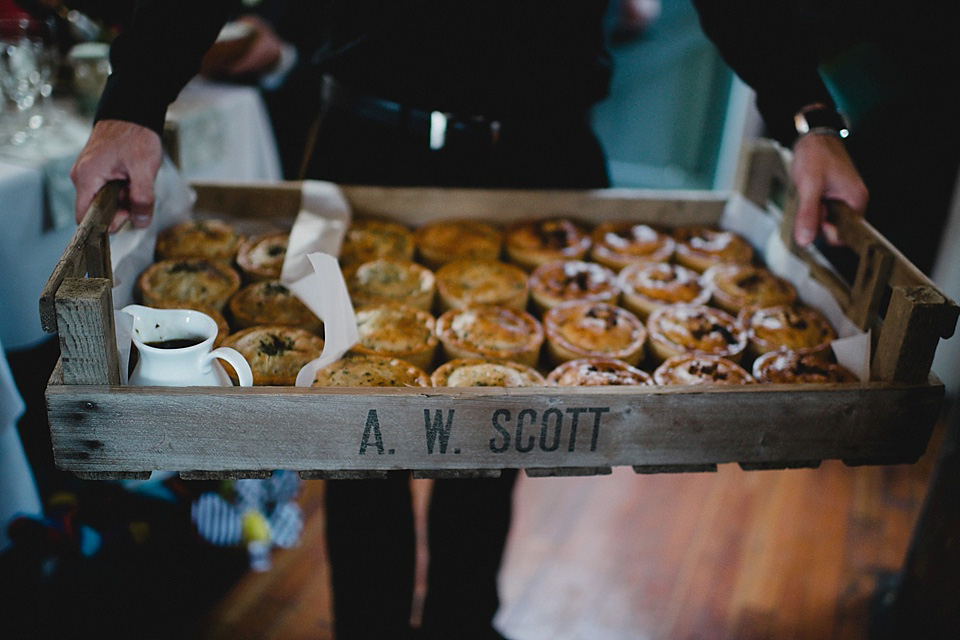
<point>176,350</point>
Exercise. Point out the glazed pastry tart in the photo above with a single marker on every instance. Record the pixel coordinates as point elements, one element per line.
<point>787,367</point>
<point>735,286</point>
<point>464,283</point>
<point>554,283</point>
<point>646,286</point>
<point>477,372</point>
<point>699,248</point>
<point>385,280</point>
<point>275,353</point>
<point>583,329</point>
<point>698,368</point>
<point>596,372</point>
<point>496,333</point>
<point>212,239</point>
<point>397,331</point>
<point>188,282</point>
<point>618,244</point>
<point>678,329</point>
<point>261,257</point>
<point>369,239</point>
<point>798,328</point>
<point>370,370</point>
<point>444,241</point>
<point>532,243</point>
<point>270,302</point>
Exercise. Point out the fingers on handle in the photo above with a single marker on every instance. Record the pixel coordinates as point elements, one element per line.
<point>810,212</point>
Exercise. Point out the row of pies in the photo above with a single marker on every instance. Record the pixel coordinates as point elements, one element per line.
<point>596,303</point>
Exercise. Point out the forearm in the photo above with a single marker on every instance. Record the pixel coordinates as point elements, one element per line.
<point>157,55</point>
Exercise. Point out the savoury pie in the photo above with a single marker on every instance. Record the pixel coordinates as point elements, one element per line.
<point>597,371</point>
<point>261,257</point>
<point>554,283</point>
<point>786,367</point>
<point>386,280</point>
<point>270,302</point>
<point>799,328</point>
<point>700,247</point>
<point>532,243</point>
<point>498,333</point>
<point>618,244</point>
<point>398,331</point>
<point>646,286</point>
<point>678,329</point>
<point>464,283</point>
<point>275,353</point>
<point>477,372</point>
<point>369,238</point>
<point>370,370</point>
<point>188,282</point>
<point>699,368</point>
<point>583,329</point>
<point>734,286</point>
<point>444,241</point>
<point>212,239</point>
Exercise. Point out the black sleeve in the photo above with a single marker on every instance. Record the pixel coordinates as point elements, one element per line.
<point>764,43</point>
<point>157,55</point>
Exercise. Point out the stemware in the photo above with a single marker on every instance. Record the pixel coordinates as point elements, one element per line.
<point>28,59</point>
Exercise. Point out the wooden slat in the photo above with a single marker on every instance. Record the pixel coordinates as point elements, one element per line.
<point>434,474</point>
<point>342,475</point>
<point>96,428</point>
<point>88,343</point>
<point>73,262</point>
<point>112,475</point>
<point>566,472</point>
<point>916,317</point>
<point>675,468</point>
<point>246,200</point>
<point>873,274</point>
<point>225,475</point>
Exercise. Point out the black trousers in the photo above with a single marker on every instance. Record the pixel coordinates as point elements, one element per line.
<point>370,522</point>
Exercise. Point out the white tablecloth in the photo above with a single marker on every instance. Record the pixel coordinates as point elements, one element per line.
<point>223,133</point>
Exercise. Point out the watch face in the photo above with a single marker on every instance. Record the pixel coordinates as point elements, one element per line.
<point>820,117</point>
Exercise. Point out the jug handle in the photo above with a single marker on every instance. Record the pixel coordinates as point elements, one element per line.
<point>236,360</point>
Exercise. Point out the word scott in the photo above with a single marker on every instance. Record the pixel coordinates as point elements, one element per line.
<point>552,429</point>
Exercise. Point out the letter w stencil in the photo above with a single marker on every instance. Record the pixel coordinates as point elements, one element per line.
<point>437,429</point>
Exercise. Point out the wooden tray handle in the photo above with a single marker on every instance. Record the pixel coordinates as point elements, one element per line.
<point>88,252</point>
<point>917,315</point>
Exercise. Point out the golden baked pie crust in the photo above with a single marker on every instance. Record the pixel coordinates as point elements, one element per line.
<point>582,329</point>
<point>275,353</point>
<point>499,333</point>
<point>188,281</point>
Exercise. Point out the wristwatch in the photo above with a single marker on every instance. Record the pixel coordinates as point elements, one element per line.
<point>819,119</point>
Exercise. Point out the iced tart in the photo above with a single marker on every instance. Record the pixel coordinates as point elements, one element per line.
<point>735,286</point>
<point>795,327</point>
<point>646,286</point>
<point>598,371</point>
<point>261,257</point>
<point>679,329</point>
<point>554,283</point>
<point>618,244</point>
<point>534,242</point>
<point>699,368</point>
<point>583,329</point>
<point>700,247</point>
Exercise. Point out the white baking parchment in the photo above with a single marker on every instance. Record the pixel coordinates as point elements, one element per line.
<point>312,273</point>
<point>852,347</point>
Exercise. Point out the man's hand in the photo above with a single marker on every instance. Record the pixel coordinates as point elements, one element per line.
<point>822,170</point>
<point>119,150</point>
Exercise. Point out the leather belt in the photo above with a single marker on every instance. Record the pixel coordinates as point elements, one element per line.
<point>439,129</point>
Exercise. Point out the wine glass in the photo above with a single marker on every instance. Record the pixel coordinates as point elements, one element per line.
<point>27,62</point>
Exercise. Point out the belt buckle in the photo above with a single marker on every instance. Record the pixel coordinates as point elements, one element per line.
<point>440,125</point>
<point>438,129</point>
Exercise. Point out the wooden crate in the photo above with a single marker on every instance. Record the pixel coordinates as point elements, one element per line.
<point>101,429</point>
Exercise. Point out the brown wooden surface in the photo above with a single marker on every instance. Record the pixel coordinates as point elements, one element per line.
<point>88,342</point>
<point>192,429</point>
<point>731,555</point>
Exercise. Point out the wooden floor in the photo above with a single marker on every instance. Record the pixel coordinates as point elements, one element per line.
<point>727,555</point>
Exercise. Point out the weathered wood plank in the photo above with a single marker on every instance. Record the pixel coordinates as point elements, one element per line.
<point>73,262</point>
<point>916,318</point>
<point>223,429</point>
<point>674,468</point>
<point>88,343</point>
<point>873,274</point>
<point>566,472</point>
<point>225,475</point>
